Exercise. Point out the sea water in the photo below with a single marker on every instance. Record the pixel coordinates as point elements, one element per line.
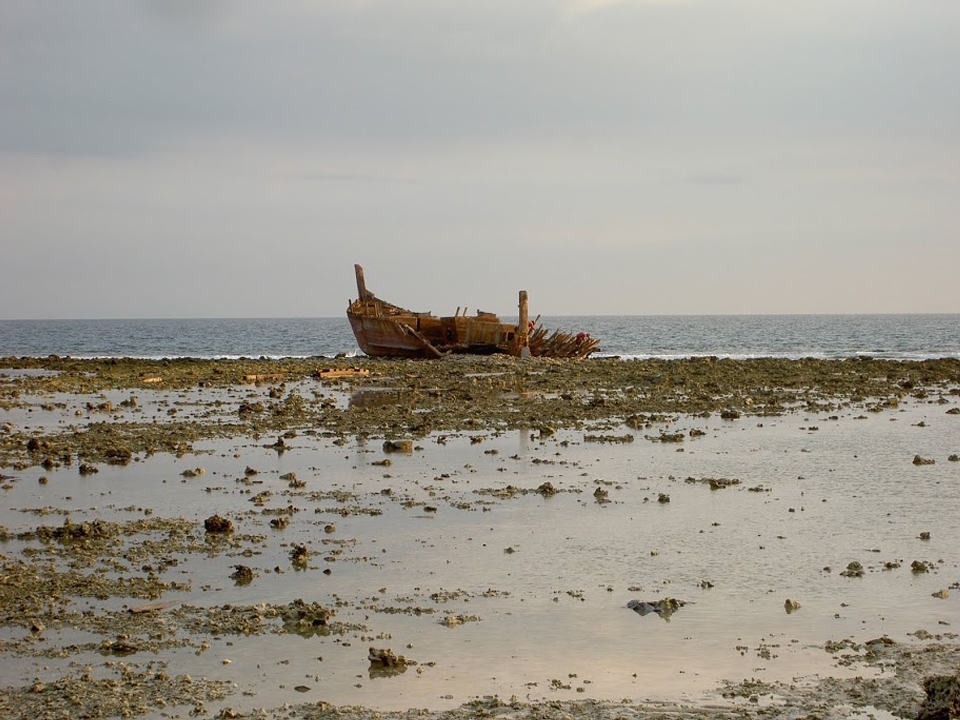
<point>735,336</point>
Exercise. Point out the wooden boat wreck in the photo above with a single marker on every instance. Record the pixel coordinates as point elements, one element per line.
<point>386,330</point>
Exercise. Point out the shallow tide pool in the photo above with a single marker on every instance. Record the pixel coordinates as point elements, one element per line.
<point>519,594</point>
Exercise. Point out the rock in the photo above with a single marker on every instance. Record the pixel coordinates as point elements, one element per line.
<point>664,607</point>
<point>917,460</point>
<point>721,483</point>
<point>121,646</point>
<point>941,594</point>
<point>306,618</point>
<point>943,698</point>
<point>545,430</point>
<point>601,495</point>
<point>953,457</point>
<point>924,536</point>
<point>401,446</point>
<point>547,489</point>
<point>242,574</point>
<point>386,658</point>
<point>919,566</point>
<point>663,498</point>
<point>299,554</point>
<point>953,411</point>
<point>791,606</point>
<point>714,483</point>
<point>261,498</point>
<point>854,569</point>
<point>217,524</point>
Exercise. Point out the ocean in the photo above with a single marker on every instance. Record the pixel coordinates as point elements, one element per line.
<point>909,337</point>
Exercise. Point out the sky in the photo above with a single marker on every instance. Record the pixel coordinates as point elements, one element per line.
<point>231,158</point>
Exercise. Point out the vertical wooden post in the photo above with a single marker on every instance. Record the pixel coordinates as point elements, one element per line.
<point>361,284</point>
<point>523,335</point>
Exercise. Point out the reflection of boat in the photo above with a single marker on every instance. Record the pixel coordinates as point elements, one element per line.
<point>383,329</point>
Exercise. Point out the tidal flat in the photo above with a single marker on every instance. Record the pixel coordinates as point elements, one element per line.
<point>478,537</point>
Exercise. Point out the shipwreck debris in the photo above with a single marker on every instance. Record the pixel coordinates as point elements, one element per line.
<point>386,330</point>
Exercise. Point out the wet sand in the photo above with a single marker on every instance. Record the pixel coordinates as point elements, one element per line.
<point>786,531</point>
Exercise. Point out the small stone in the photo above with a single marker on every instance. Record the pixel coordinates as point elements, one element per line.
<point>918,460</point>
<point>854,569</point>
<point>242,574</point>
<point>547,489</point>
<point>217,524</point>
<point>791,606</point>
<point>401,446</point>
<point>386,658</point>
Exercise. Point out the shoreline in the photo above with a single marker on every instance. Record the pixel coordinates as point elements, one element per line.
<point>458,394</point>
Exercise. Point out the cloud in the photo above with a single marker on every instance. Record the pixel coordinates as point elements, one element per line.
<point>587,7</point>
<point>715,179</point>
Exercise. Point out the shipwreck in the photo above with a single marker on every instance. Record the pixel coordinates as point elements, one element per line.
<point>386,330</point>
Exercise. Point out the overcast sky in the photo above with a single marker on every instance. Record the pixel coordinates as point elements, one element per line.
<point>176,158</point>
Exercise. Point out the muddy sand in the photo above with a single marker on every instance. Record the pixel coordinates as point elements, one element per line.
<point>479,537</point>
